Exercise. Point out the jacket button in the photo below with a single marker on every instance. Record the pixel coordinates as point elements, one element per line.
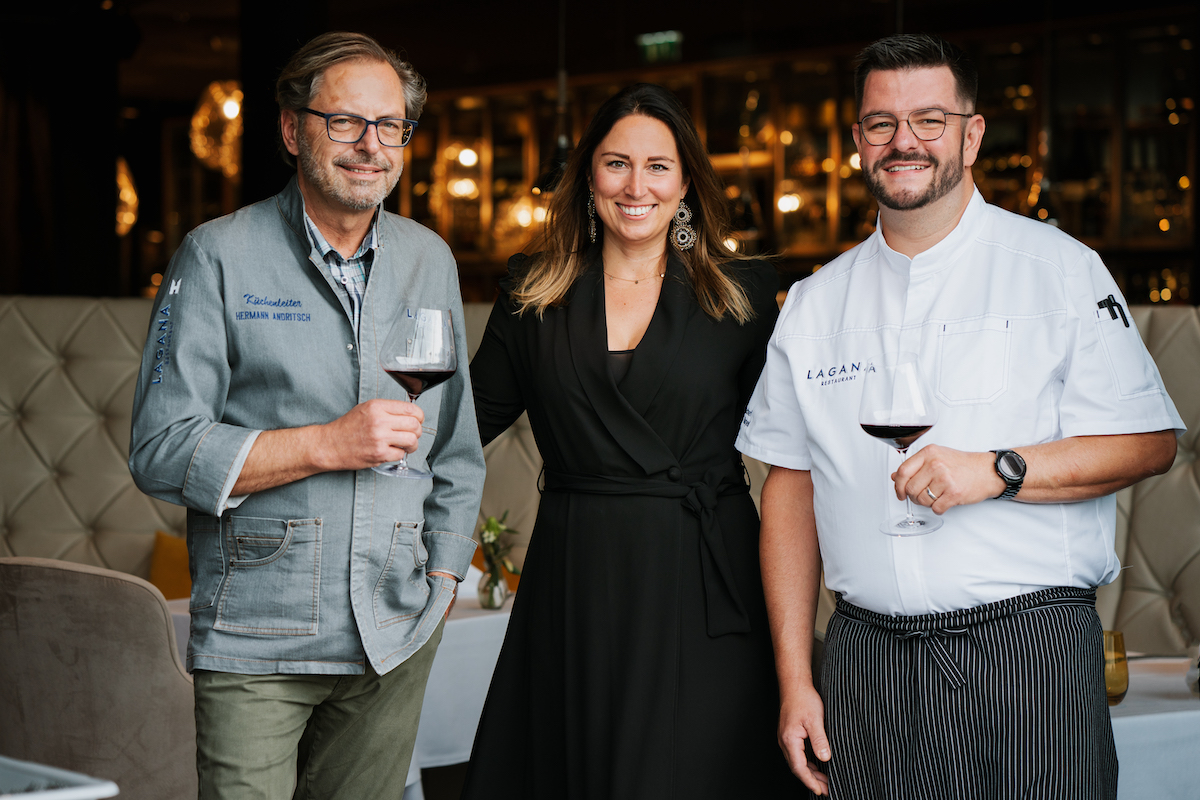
<point>349,346</point>
<point>675,473</point>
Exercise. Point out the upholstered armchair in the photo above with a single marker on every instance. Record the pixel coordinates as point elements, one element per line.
<point>90,678</point>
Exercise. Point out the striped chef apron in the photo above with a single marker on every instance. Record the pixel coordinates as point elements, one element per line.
<point>1005,700</point>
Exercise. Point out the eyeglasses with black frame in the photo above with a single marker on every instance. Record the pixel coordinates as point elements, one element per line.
<point>350,128</point>
<point>927,124</point>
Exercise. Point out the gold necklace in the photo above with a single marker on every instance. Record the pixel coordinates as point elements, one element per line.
<point>635,281</point>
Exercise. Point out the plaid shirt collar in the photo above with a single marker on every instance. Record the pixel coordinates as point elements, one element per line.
<point>350,274</point>
<point>369,243</point>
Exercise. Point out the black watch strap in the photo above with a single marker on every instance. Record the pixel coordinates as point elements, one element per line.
<point>1011,469</point>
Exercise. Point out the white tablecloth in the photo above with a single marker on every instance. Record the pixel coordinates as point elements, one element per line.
<point>458,680</point>
<point>1157,729</point>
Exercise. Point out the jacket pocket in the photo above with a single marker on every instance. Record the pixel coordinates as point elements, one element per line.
<point>1126,356</point>
<point>973,361</point>
<point>274,575</point>
<point>403,589</point>
<point>206,564</point>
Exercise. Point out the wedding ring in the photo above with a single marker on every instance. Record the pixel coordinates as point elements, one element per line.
<point>932,496</point>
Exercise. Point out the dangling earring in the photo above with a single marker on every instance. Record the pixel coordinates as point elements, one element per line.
<point>592,216</point>
<point>683,234</point>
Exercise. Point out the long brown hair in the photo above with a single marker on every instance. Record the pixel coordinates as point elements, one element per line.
<point>565,241</point>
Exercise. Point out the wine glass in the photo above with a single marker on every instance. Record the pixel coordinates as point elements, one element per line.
<point>418,353</point>
<point>898,407</point>
<point>1116,667</point>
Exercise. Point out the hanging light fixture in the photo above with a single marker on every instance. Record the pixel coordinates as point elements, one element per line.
<point>216,134</point>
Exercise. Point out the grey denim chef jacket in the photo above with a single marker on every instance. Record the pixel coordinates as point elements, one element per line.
<point>249,333</point>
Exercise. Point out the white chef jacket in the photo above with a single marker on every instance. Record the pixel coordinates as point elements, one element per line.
<point>1003,315</point>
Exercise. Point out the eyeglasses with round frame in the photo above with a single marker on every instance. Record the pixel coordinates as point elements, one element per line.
<point>351,128</point>
<point>927,124</point>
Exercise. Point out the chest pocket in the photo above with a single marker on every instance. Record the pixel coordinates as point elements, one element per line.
<point>973,360</point>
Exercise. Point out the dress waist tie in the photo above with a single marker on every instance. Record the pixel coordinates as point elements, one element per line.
<point>723,605</point>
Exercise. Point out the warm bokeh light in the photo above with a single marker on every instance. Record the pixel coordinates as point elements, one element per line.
<point>216,129</point>
<point>1165,295</point>
<point>829,165</point>
<point>1184,182</point>
<point>1043,213</point>
<point>463,187</point>
<point>1164,224</point>
<point>786,137</point>
<point>468,157</point>
<point>856,161</point>
<point>127,198</point>
<point>731,244</point>
<point>789,202</point>
<point>1154,295</point>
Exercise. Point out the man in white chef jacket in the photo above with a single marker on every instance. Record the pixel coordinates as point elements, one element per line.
<point>966,662</point>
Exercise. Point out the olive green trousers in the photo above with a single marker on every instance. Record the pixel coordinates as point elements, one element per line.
<point>309,737</point>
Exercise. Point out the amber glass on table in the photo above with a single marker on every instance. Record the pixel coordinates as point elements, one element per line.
<point>1116,668</point>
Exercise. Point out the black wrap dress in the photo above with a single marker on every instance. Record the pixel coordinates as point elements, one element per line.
<point>637,662</point>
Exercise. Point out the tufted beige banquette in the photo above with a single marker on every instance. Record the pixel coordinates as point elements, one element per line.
<point>67,369</point>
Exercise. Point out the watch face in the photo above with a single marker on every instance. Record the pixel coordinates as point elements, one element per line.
<point>1011,465</point>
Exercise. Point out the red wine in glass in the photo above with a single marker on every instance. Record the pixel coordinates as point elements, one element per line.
<point>416,381</point>
<point>901,437</point>
<point>898,407</point>
<point>418,354</point>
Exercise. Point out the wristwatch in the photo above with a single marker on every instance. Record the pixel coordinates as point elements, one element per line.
<point>1011,468</point>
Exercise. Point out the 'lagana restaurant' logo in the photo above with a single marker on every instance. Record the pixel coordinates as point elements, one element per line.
<point>837,374</point>
<point>162,352</point>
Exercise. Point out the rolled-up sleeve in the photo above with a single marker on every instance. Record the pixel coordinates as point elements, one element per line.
<point>179,451</point>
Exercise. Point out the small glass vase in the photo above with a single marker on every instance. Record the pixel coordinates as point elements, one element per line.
<point>493,591</point>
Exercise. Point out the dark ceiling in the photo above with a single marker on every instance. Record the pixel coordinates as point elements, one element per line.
<point>181,45</point>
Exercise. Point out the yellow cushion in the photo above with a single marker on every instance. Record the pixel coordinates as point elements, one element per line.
<point>169,566</point>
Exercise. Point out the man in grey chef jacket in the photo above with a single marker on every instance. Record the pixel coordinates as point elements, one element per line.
<point>966,662</point>
<point>319,586</point>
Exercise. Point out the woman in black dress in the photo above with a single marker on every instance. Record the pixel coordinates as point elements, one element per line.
<point>638,662</point>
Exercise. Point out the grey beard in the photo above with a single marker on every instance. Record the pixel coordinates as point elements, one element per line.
<point>326,181</point>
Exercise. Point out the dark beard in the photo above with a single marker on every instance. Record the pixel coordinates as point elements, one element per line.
<point>942,185</point>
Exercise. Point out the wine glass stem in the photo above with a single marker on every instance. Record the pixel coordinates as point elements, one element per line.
<point>909,518</point>
<point>412,398</point>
